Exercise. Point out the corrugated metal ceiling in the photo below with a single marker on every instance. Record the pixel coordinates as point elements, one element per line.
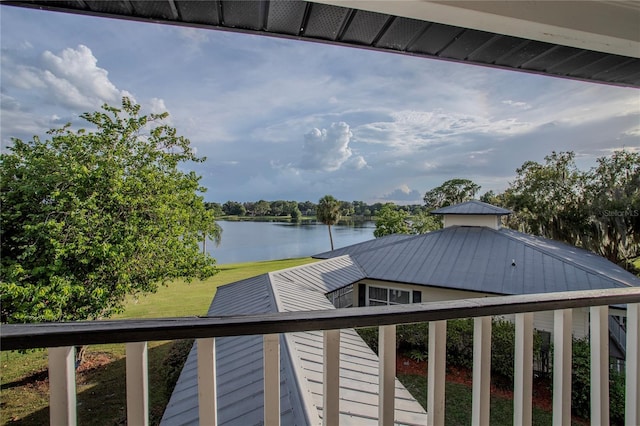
<point>347,26</point>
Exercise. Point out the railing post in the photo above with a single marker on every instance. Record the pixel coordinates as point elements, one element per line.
<point>437,367</point>
<point>207,397</point>
<point>137,383</point>
<point>523,371</point>
<point>481,387</point>
<point>331,378</point>
<point>632,386</point>
<point>599,365</point>
<point>62,386</point>
<point>271,370</point>
<point>387,375</point>
<point>562,342</point>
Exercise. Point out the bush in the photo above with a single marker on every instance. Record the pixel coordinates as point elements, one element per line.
<point>460,343</point>
<point>581,385</point>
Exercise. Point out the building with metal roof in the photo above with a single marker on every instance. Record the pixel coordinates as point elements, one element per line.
<point>240,359</point>
<point>458,261</point>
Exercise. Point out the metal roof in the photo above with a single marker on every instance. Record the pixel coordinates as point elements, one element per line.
<point>481,259</point>
<point>472,207</point>
<point>592,41</point>
<point>239,359</point>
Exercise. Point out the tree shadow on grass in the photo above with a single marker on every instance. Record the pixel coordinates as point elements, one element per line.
<point>101,391</point>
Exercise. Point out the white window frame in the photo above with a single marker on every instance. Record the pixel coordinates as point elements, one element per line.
<point>388,289</point>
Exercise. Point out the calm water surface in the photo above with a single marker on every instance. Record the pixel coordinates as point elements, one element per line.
<point>253,241</point>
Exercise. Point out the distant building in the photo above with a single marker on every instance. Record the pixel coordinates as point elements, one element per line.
<point>473,256</point>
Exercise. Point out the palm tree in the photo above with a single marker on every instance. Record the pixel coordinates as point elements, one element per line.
<point>328,212</point>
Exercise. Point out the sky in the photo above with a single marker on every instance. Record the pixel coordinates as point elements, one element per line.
<point>295,120</point>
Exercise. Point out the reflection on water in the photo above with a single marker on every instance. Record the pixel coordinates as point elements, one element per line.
<point>252,241</point>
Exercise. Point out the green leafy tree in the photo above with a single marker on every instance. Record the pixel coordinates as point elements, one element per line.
<point>598,210</point>
<point>234,208</point>
<point>423,222</point>
<point>547,199</point>
<point>328,212</point>
<point>451,192</point>
<point>612,194</point>
<point>91,216</point>
<point>391,220</point>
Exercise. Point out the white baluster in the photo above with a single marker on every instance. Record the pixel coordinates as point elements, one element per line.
<point>331,378</point>
<point>271,379</point>
<point>481,387</point>
<point>207,396</point>
<point>137,384</point>
<point>523,372</point>
<point>62,386</point>
<point>599,337</point>
<point>387,375</point>
<point>562,341</point>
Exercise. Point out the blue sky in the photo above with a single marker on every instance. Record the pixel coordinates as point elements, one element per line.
<point>284,119</point>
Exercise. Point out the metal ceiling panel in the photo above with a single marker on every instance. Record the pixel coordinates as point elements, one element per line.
<point>554,56</point>
<point>379,31</point>
<point>435,38</point>
<point>496,48</point>
<point>199,12</point>
<point>465,44</point>
<point>401,33</point>
<point>160,9</point>
<point>326,22</point>
<point>364,27</point>
<point>286,17</point>
<point>123,8</point>
<point>244,14</point>
<point>524,53</point>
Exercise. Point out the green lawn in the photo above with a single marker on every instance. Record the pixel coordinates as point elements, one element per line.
<point>101,386</point>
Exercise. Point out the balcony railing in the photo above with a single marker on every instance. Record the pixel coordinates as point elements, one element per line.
<point>61,338</point>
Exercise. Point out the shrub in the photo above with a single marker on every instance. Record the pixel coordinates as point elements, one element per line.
<point>460,342</point>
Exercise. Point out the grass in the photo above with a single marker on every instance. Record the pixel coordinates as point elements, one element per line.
<point>24,391</point>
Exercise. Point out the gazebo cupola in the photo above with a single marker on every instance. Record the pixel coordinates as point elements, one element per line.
<point>472,213</point>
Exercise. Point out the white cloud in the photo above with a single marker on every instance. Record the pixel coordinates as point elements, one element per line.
<point>403,195</point>
<point>521,105</point>
<point>74,79</point>
<point>411,129</point>
<point>328,149</point>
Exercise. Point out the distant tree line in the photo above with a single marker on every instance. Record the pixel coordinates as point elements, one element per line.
<point>348,209</point>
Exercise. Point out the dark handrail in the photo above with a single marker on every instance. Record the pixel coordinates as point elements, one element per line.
<point>43,335</point>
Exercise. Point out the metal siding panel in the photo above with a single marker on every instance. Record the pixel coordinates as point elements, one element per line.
<point>364,27</point>
<point>199,12</point>
<point>325,21</point>
<point>286,16</point>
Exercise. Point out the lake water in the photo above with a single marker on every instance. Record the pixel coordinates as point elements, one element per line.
<point>253,241</point>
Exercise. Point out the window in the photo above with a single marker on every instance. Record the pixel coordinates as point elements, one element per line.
<point>381,296</point>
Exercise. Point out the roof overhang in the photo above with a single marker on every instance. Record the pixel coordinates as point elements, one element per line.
<point>597,41</point>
